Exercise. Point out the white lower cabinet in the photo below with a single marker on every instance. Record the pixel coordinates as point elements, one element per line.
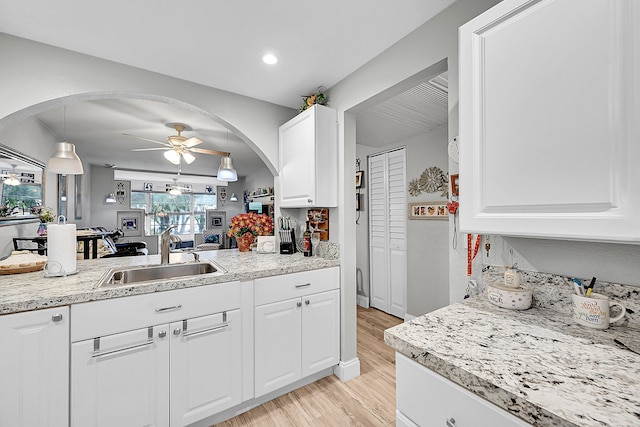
<point>206,367</point>
<point>427,399</point>
<point>172,373</point>
<point>295,337</point>
<point>121,379</point>
<point>34,372</point>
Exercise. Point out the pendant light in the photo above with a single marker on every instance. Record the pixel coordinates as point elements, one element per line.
<point>226,171</point>
<point>65,161</point>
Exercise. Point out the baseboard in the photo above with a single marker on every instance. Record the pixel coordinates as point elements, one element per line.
<point>252,403</point>
<point>362,301</point>
<point>408,317</point>
<point>347,370</point>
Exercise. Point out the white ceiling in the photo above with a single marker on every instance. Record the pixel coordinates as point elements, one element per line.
<point>218,44</point>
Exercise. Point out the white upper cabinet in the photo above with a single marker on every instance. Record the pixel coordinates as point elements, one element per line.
<point>549,135</point>
<point>309,159</point>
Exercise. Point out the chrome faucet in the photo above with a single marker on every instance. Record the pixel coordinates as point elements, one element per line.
<point>165,245</point>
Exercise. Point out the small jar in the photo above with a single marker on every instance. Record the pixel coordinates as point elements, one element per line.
<point>511,278</point>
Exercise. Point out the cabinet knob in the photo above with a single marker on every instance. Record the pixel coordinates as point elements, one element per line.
<point>56,317</point>
<point>299,304</point>
<point>309,201</point>
<point>162,334</point>
<point>306,302</point>
<point>177,331</point>
<point>451,422</point>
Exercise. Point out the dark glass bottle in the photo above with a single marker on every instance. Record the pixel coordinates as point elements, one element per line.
<point>306,241</point>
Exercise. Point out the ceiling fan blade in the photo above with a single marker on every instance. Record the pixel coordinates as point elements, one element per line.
<point>148,149</point>
<point>147,139</point>
<point>193,141</point>
<point>205,151</point>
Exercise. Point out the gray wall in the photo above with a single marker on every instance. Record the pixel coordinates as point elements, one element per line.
<point>427,240</point>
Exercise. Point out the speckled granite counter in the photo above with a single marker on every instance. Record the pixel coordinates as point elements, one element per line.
<point>32,291</point>
<point>537,364</point>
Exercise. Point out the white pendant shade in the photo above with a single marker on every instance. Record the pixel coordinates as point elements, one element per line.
<point>12,180</point>
<point>173,156</point>
<point>226,171</point>
<point>110,199</point>
<point>65,160</point>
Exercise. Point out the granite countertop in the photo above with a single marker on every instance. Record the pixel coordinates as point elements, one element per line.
<point>32,291</point>
<point>537,364</point>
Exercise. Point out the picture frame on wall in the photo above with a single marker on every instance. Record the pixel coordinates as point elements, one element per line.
<point>359,178</point>
<point>130,222</point>
<point>455,184</point>
<point>428,210</point>
<point>359,201</point>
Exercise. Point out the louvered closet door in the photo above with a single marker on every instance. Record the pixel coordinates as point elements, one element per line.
<point>388,231</point>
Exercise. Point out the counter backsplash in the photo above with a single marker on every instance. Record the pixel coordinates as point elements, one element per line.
<point>552,291</point>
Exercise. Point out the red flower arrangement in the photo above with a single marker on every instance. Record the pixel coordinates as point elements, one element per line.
<point>256,224</point>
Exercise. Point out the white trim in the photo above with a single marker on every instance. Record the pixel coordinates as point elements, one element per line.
<point>408,317</point>
<point>348,370</point>
<point>362,301</point>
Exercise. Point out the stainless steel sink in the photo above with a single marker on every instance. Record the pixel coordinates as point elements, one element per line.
<point>126,275</point>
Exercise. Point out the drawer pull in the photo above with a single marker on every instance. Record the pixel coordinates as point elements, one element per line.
<point>304,285</point>
<point>306,302</point>
<point>204,331</point>
<point>451,422</point>
<point>173,307</point>
<point>56,317</point>
<point>298,304</point>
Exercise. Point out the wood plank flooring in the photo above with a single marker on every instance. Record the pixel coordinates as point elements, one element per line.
<point>368,400</point>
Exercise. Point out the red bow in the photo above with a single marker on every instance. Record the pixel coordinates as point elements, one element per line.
<point>452,207</point>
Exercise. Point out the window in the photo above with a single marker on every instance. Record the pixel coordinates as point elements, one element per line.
<point>20,198</point>
<point>187,211</point>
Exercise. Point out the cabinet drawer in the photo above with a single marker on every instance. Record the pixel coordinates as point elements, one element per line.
<point>428,399</point>
<point>99,318</point>
<point>278,288</point>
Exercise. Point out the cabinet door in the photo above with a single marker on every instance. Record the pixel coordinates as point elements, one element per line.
<point>34,372</point>
<point>548,120</point>
<point>320,332</point>
<point>125,382</point>
<point>206,366</point>
<point>277,345</point>
<point>297,160</point>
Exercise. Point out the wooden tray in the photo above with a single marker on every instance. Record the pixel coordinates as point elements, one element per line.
<point>26,269</point>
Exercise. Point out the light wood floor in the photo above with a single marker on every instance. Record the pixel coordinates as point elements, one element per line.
<point>368,400</point>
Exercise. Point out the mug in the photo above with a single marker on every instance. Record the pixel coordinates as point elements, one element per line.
<point>593,311</point>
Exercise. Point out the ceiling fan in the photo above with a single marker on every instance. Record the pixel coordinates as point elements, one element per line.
<point>10,178</point>
<point>175,189</point>
<point>179,147</point>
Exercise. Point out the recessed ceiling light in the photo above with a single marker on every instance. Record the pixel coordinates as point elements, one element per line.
<point>270,59</point>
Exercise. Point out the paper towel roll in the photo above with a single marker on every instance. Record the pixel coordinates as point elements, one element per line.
<point>61,246</point>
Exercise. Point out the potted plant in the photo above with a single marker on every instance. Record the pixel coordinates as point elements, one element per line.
<point>45,214</point>
<point>244,227</point>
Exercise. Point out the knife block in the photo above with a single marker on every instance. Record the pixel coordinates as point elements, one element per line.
<point>287,242</point>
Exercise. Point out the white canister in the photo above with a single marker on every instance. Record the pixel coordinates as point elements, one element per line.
<point>61,249</point>
<point>511,278</point>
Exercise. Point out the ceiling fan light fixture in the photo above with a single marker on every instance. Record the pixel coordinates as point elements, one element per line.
<point>65,160</point>
<point>226,171</point>
<point>12,180</point>
<point>188,157</point>
<point>175,191</point>
<point>173,156</point>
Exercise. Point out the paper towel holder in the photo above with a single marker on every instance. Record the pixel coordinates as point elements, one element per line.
<point>54,268</point>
